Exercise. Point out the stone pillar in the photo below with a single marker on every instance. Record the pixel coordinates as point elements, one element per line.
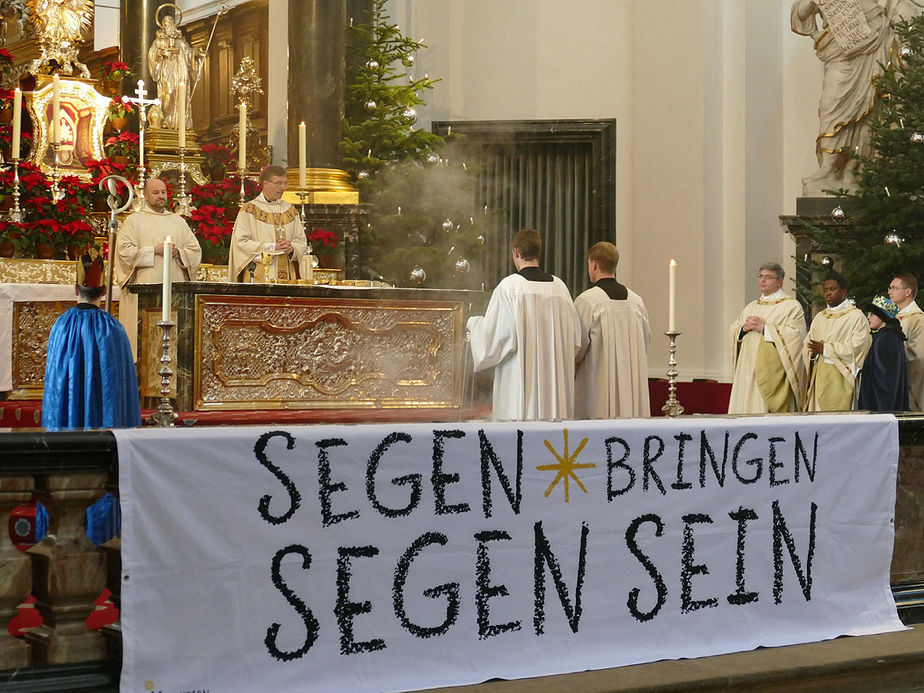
<point>137,28</point>
<point>69,572</point>
<point>317,70</point>
<point>15,573</point>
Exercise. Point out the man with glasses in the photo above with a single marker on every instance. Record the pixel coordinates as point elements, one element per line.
<point>268,239</point>
<point>766,344</point>
<point>903,289</point>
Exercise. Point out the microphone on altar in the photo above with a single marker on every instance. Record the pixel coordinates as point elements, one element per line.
<point>372,273</point>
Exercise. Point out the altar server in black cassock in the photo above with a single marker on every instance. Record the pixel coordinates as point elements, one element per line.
<point>884,379</point>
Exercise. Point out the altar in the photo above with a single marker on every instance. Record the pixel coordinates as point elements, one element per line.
<point>288,346</point>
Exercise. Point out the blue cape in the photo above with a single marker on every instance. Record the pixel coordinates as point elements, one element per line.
<point>90,379</point>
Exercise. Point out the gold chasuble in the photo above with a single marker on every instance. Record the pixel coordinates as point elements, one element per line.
<point>768,371</point>
<point>833,375</point>
<point>258,226</point>
<point>912,320</point>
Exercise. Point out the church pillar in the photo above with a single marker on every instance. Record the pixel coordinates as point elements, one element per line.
<point>137,29</point>
<point>317,69</point>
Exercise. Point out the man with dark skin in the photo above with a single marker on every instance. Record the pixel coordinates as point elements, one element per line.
<point>835,348</point>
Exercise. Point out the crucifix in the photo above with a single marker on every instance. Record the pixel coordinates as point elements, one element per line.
<point>143,105</point>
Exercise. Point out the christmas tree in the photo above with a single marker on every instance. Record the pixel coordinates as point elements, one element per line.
<point>882,232</point>
<point>381,103</point>
<point>424,229</point>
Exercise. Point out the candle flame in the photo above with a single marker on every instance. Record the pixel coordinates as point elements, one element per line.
<point>167,239</point>
<point>673,262</point>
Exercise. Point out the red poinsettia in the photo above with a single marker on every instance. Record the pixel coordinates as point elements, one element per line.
<point>124,144</point>
<point>327,240</point>
<point>114,70</point>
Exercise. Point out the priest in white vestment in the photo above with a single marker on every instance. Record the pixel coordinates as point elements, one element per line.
<point>140,252</point>
<point>835,348</point>
<point>530,334</point>
<point>611,376</point>
<point>766,350</point>
<point>902,290</point>
<point>268,239</point>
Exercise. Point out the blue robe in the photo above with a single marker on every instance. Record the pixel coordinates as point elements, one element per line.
<point>884,379</point>
<point>90,379</point>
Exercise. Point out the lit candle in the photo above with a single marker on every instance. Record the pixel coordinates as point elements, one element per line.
<point>242,137</point>
<point>56,109</point>
<point>672,293</point>
<point>17,120</point>
<point>168,260</point>
<point>181,113</point>
<point>302,154</point>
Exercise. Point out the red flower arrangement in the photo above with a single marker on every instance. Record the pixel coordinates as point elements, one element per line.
<point>324,240</point>
<point>124,144</point>
<point>6,98</point>
<point>114,70</point>
<point>213,231</point>
<point>216,153</point>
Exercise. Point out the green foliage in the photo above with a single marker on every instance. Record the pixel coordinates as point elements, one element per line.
<point>375,135</point>
<point>890,196</point>
<point>401,169</point>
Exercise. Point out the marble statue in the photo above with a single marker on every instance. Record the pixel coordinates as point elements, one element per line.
<point>854,39</point>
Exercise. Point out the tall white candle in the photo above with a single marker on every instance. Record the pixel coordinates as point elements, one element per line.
<point>56,109</point>
<point>672,293</point>
<point>181,113</point>
<point>17,120</point>
<point>242,137</point>
<point>168,260</point>
<point>302,155</point>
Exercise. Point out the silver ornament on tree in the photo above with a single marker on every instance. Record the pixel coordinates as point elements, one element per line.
<point>409,115</point>
<point>370,105</point>
<point>917,138</point>
<point>481,239</point>
<point>906,52</point>
<point>892,238</point>
<point>417,275</point>
<point>372,64</point>
<point>362,175</point>
<point>838,213</point>
<point>462,266</point>
<point>827,261</point>
<point>433,158</point>
<point>409,60</point>
<point>448,225</point>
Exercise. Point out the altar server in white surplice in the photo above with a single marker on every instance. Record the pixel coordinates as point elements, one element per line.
<point>267,228</point>
<point>835,348</point>
<point>611,378</point>
<point>530,334</point>
<point>902,290</point>
<point>766,350</point>
<point>140,252</point>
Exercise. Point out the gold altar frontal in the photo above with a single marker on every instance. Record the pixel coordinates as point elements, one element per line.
<point>264,346</point>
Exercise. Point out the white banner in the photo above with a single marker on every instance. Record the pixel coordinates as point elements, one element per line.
<point>395,557</point>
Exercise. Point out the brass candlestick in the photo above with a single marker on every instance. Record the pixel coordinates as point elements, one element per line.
<point>182,204</point>
<point>672,406</point>
<point>240,172</point>
<point>164,415</point>
<point>16,212</point>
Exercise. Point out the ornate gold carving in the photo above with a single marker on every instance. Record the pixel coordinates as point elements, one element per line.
<point>276,353</point>
<point>27,271</point>
<point>59,27</point>
<point>212,273</point>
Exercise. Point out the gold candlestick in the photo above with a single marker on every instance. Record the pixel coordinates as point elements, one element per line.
<point>672,406</point>
<point>241,172</point>
<point>182,203</point>
<point>56,192</point>
<point>16,212</point>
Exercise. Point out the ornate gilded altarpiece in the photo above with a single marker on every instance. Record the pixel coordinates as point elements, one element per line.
<point>252,346</point>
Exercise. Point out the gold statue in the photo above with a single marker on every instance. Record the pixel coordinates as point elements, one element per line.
<point>172,61</point>
<point>59,25</point>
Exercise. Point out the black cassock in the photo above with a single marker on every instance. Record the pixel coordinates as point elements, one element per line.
<point>884,378</point>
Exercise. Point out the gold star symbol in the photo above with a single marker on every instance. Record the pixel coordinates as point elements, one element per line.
<point>149,685</point>
<point>565,467</point>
